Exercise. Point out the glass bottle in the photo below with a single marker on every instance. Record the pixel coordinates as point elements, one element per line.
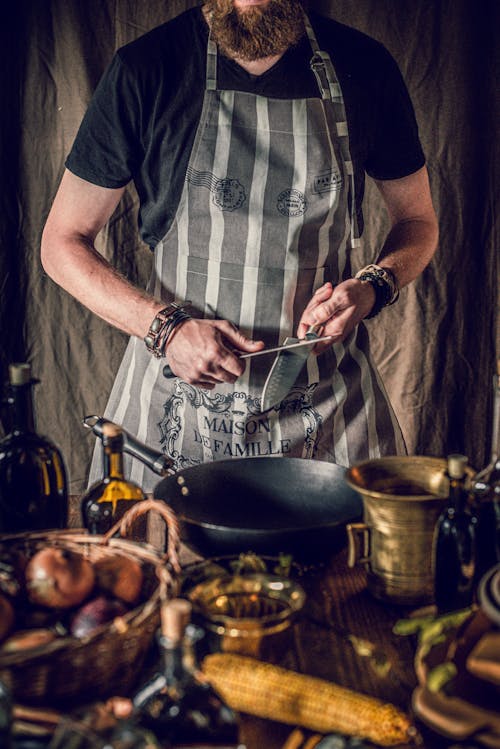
<point>454,543</point>
<point>177,704</point>
<point>107,500</point>
<point>486,494</point>
<point>33,483</point>
<point>5,716</point>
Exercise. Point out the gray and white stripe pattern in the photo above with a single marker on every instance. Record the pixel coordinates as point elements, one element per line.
<point>263,221</point>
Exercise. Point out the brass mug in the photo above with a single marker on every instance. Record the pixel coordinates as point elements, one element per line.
<point>403,497</point>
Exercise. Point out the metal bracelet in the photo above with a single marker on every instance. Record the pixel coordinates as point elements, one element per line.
<point>175,319</point>
<point>155,335</point>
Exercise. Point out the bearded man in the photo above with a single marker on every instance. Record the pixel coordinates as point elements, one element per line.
<point>247,127</point>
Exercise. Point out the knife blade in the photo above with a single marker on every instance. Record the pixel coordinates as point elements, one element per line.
<point>289,343</point>
<point>286,368</point>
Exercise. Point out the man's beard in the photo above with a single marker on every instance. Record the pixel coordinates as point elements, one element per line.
<point>255,33</point>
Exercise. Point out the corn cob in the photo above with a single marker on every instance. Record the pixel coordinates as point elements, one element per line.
<point>268,691</point>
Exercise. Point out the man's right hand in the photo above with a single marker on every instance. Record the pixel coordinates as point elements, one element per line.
<point>205,352</point>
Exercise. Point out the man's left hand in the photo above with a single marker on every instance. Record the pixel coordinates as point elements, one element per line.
<point>338,308</point>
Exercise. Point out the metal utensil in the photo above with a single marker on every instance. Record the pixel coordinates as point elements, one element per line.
<point>265,504</point>
<point>286,368</point>
<point>289,343</point>
<point>153,459</point>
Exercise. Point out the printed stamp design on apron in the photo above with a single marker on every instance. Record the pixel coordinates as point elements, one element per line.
<point>292,202</point>
<point>328,182</point>
<point>231,425</point>
<point>228,194</point>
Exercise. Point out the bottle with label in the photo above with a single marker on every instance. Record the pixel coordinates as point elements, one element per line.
<point>33,483</point>
<point>454,548</point>
<point>486,493</point>
<point>177,704</point>
<point>107,500</point>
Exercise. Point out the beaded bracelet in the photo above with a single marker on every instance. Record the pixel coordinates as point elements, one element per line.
<point>162,326</point>
<point>384,284</point>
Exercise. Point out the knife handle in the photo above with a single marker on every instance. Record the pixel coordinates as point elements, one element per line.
<point>313,330</point>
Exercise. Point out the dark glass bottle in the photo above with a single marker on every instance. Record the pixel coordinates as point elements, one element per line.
<point>178,706</point>
<point>5,717</point>
<point>33,484</point>
<point>455,543</point>
<point>486,493</point>
<point>107,500</point>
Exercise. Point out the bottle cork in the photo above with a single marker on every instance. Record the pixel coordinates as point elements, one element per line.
<point>456,465</point>
<point>110,430</point>
<point>175,616</point>
<point>19,373</point>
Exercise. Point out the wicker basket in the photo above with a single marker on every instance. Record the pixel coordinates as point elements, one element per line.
<point>108,661</point>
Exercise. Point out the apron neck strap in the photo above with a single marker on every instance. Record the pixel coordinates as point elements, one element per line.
<point>320,65</point>
<point>329,87</point>
<point>211,78</point>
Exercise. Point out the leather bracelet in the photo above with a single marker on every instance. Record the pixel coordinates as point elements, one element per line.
<point>175,319</point>
<point>384,284</point>
<point>155,338</point>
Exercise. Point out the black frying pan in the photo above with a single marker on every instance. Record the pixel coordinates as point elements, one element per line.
<point>264,505</point>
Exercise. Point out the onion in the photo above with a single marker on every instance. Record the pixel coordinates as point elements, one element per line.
<point>59,578</point>
<point>94,614</point>
<point>119,576</point>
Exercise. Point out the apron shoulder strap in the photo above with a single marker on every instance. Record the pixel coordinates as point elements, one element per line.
<point>329,86</point>
<point>211,79</point>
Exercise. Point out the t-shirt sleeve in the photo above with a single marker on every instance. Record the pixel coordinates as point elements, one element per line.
<point>107,148</point>
<point>395,150</point>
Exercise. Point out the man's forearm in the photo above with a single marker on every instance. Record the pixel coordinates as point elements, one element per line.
<point>408,248</point>
<point>412,240</point>
<point>75,265</point>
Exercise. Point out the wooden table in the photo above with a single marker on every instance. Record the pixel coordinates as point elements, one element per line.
<point>339,616</point>
<point>323,643</point>
<point>339,609</point>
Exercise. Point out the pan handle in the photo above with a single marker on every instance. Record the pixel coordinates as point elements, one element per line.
<point>153,459</point>
<point>358,537</point>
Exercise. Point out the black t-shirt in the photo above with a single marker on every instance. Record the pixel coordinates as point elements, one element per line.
<point>142,120</point>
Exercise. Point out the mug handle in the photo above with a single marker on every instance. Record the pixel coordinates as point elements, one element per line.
<point>358,536</point>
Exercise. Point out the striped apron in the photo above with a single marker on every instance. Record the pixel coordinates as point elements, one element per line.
<point>266,216</point>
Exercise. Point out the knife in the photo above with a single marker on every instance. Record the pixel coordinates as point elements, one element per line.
<point>287,367</point>
<point>289,343</point>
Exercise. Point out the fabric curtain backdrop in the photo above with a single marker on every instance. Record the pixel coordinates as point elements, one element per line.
<point>435,348</point>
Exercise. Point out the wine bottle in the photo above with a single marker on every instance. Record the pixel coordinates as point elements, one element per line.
<point>486,493</point>
<point>177,704</point>
<point>107,500</point>
<point>454,548</point>
<point>5,716</point>
<point>33,483</point>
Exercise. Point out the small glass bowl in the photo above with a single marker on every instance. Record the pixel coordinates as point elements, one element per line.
<point>243,605</point>
<point>248,612</point>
